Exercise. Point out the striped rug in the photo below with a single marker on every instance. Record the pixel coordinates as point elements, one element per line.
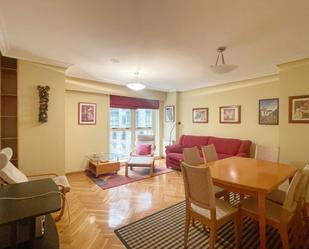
<point>165,229</point>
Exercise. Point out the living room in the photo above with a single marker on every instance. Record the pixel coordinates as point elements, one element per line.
<point>197,90</point>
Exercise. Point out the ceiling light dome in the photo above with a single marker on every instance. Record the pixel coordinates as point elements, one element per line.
<point>136,86</point>
<point>222,68</point>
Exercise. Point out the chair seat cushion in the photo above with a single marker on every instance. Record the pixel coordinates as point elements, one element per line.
<point>223,209</point>
<point>217,189</point>
<point>62,181</point>
<point>273,210</point>
<point>277,196</point>
<point>140,161</point>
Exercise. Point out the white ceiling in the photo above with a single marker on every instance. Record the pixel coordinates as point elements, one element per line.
<point>170,42</point>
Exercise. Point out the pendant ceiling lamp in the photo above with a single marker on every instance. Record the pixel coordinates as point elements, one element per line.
<point>221,68</point>
<point>136,86</point>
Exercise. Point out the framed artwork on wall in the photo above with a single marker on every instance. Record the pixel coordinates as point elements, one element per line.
<point>200,115</point>
<point>269,111</point>
<point>299,109</point>
<point>87,113</point>
<point>169,113</point>
<point>230,114</point>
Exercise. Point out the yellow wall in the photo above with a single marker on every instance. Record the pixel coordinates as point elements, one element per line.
<point>294,138</point>
<point>84,140</point>
<point>244,93</point>
<point>41,146</point>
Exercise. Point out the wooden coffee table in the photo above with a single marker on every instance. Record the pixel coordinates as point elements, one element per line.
<point>100,168</point>
<point>103,163</point>
<point>140,161</point>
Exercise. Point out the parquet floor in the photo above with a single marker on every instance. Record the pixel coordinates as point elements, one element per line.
<point>95,213</point>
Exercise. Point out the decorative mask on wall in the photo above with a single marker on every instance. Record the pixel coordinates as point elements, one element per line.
<point>44,99</point>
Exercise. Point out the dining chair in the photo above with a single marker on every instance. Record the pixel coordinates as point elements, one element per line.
<point>209,153</point>
<point>267,153</point>
<point>278,197</point>
<point>202,205</point>
<point>9,174</point>
<point>192,156</point>
<point>278,216</point>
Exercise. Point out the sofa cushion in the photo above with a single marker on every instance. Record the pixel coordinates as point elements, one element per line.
<point>228,146</point>
<point>191,141</point>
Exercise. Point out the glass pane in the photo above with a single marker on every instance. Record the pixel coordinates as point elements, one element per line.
<point>120,143</point>
<point>143,132</point>
<point>120,118</point>
<point>143,118</point>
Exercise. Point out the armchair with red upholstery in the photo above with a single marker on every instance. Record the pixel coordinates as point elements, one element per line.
<point>225,147</point>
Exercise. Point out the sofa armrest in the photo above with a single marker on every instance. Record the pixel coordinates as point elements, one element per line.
<point>176,148</point>
<point>242,155</point>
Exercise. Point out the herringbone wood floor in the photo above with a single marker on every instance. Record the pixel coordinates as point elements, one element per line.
<point>95,213</point>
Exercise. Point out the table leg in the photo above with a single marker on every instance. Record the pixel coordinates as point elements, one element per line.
<point>262,220</point>
<point>32,233</point>
<point>126,170</point>
<point>151,168</point>
<point>14,235</point>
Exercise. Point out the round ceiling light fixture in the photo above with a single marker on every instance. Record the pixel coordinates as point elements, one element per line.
<point>222,68</point>
<point>136,86</point>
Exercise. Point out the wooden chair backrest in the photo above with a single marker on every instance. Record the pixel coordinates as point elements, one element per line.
<point>192,156</point>
<point>209,153</point>
<point>305,195</point>
<point>267,153</point>
<point>294,192</point>
<point>198,186</point>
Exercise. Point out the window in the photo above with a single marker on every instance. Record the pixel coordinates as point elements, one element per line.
<point>125,125</point>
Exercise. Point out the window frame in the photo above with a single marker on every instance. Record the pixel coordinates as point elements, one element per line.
<point>133,129</point>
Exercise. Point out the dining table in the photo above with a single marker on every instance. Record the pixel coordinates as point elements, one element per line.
<point>248,176</point>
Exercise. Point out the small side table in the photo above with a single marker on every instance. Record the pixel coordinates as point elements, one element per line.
<point>103,167</point>
<point>140,161</point>
<point>103,163</point>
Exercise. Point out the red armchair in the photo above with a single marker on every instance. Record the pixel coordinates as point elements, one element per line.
<point>225,147</point>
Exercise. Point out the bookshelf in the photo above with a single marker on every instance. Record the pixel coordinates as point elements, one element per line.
<point>8,105</point>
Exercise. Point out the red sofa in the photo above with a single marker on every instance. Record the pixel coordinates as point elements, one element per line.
<point>225,147</point>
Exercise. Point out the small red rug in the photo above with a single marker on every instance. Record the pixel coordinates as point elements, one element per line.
<point>138,173</point>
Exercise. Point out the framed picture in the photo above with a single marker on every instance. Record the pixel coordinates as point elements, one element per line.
<point>269,111</point>
<point>200,115</point>
<point>170,113</point>
<point>87,113</point>
<point>299,109</point>
<point>230,114</point>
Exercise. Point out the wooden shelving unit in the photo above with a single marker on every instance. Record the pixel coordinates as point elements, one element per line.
<point>8,105</point>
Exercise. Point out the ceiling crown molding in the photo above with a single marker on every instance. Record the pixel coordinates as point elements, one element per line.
<point>4,42</point>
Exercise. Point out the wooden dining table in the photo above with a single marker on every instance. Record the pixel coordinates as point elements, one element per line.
<point>251,177</point>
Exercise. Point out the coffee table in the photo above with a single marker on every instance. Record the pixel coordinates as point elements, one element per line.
<point>103,163</point>
<point>140,161</point>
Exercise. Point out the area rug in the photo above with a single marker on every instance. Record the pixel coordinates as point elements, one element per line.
<point>138,173</point>
<point>165,229</point>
